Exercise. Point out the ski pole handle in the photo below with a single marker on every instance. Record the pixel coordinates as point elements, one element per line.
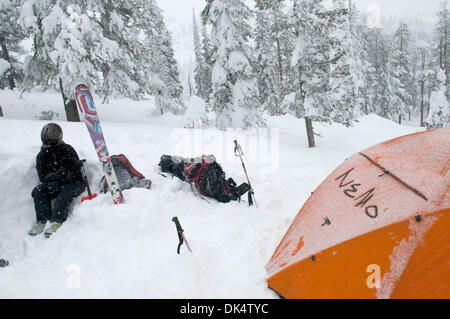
<point>237,149</point>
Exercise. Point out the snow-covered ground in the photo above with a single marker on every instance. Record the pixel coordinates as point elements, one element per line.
<point>129,250</point>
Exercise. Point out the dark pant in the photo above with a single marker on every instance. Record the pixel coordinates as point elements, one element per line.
<point>43,205</point>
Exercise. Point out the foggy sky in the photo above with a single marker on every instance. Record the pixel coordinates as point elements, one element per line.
<point>402,8</point>
<point>389,8</point>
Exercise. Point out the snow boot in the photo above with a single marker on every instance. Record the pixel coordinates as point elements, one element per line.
<point>52,228</point>
<point>36,229</point>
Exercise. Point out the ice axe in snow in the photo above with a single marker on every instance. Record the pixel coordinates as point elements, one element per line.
<point>83,171</point>
<point>181,235</point>
<point>251,193</point>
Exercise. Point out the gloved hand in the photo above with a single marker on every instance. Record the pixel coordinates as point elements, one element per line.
<point>53,188</point>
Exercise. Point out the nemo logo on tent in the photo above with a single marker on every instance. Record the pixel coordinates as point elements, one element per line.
<point>373,281</point>
<point>352,192</point>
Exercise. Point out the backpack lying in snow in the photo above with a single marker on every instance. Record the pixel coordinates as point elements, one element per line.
<point>206,175</point>
<point>127,175</point>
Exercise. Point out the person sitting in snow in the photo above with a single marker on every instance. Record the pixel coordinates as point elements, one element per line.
<point>60,178</point>
<point>205,175</point>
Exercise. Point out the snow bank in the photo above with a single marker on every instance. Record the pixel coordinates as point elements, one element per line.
<point>129,251</point>
<point>38,105</point>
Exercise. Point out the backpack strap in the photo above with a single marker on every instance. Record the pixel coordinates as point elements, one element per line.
<point>194,171</point>
<point>128,165</point>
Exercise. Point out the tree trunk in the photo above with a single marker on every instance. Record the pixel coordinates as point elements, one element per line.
<point>70,106</point>
<point>72,111</point>
<point>1,112</point>
<point>310,132</point>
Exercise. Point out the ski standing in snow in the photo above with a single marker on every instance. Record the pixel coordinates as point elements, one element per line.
<point>85,104</point>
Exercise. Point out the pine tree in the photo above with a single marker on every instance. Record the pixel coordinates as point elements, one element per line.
<point>326,57</point>
<point>401,74</point>
<point>235,94</point>
<point>134,27</point>
<point>272,50</point>
<point>116,47</point>
<point>439,115</point>
<point>423,49</point>
<point>442,33</point>
<point>379,74</point>
<point>10,36</point>
<point>201,67</point>
<point>346,79</point>
<point>60,59</point>
<point>208,57</point>
<point>268,79</point>
<point>164,80</point>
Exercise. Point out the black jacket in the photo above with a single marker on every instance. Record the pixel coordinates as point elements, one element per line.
<point>58,163</point>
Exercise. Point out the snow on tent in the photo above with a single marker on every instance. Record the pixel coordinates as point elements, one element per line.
<point>377,227</point>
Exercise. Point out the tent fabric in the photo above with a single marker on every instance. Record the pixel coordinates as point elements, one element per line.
<point>385,206</point>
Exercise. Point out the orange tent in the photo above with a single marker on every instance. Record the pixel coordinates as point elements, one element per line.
<point>377,227</point>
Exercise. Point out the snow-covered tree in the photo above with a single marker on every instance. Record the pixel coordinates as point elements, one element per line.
<point>67,44</point>
<point>208,57</point>
<point>60,59</point>
<point>402,76</point>
<point>439,114</point>
<point>10,36</point>
<point>118,48</point>
<point>328,64</point>
<point>272,39</point>
<point>423,49</point>
<point>442,35</point>
<point>235,92</point>
<point>196,115</point>
<point>201,74</point>
<point>137,29</point>
<point>346,78</point>
<point>165,82</point>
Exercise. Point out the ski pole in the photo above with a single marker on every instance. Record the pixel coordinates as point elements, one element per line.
<point>238,152</point>
<point>83,171</point>
<point>181,235</point>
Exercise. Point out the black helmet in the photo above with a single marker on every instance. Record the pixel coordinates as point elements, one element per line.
<point>51,134</point>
